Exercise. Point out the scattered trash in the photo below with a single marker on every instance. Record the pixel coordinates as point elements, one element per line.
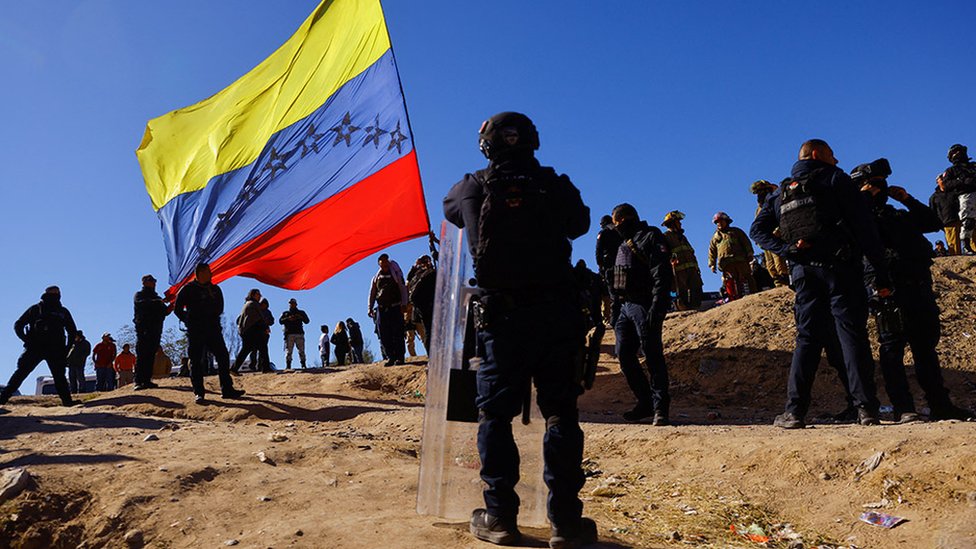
<point>12,482</point>
<point>868,465</point>
<point>150,437</point>
<point>881,519</point>
<point>753,532</point>
<point>877,504</point>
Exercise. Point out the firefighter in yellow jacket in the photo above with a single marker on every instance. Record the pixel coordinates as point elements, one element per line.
<point>775,264</point>
<point>687,276</point>
<point>731,252</point>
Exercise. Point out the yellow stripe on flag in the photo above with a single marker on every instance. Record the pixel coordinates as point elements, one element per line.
<point>181,151</point>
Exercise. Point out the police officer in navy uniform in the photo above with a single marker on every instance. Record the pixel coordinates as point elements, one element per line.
<point>519,219</point>
<point>199,305</point>
<point>149,313</point>
<point>642,280</point>
<point>908,257</point>
<point>45,328</point>
<point>825,226</point>
<point>607,243</point>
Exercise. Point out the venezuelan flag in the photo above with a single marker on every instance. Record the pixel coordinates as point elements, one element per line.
<point>298,169</point>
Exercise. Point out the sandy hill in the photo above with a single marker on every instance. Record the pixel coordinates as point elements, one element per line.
<point>341,455</point>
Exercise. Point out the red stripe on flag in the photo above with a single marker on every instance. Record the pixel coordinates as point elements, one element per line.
<point>312,245</point>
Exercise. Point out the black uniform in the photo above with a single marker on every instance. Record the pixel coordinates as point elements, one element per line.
<point>828,280</point>
<point>150,312</point>
<point>77,357</point>
<point>908,257</point>
<point>421,286</point>
<point>642,280</point>
<point>532,326</point>
<point>45,329</point>
<point>199,306</point>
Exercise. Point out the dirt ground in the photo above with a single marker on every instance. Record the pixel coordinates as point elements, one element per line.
<point>342,448</point>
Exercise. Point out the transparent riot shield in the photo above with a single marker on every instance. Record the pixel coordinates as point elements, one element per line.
<point>450,485</point>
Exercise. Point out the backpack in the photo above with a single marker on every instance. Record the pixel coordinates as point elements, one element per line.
<point>387,290</point>
<point>520,241</point>
<point>48,326</point>
<point>807,212</point>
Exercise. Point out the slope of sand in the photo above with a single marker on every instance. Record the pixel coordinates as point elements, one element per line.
<point>342,447</point>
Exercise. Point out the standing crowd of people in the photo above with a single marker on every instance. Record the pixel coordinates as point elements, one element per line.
<point>834,238</point>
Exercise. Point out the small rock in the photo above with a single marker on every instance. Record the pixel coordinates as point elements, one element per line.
<point>825,476</point>
<point>290,424</point>
<point>150,437</point>
<point>262,424</point>
<point>263,458</point>
<point>174,500</point>
<point>163,470</point>
<point>348,473</point>
<point>277,437</point>
<point>264,498</point>
<point>332,482</point>
<point>133,538</point>
<point>674,536</point>
<point>971,496</point>
<point>231,542</point>
<point>12,482</point>
<point>299,533</point>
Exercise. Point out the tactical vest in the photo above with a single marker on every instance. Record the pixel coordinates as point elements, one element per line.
<point>808,212</point>
<point>520,236</point>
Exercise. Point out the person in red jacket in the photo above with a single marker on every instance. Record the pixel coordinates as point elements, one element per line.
<point>125,365</point>
<point>103,355</point>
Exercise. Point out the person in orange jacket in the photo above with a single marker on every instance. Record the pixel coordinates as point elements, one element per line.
<point>125,365</point>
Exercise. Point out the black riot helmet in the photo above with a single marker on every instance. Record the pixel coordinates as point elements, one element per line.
<point>505,133</point>
<point>958,153</point>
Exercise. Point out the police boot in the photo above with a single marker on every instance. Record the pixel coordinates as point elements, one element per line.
<point>950,411</point>
<point>867,417</point>
<point>580,536</point>
<point>493,529</point>
<point>788,420</point>
<point>639,412</point>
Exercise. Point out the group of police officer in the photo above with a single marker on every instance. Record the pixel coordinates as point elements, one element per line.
<point>848,251</point>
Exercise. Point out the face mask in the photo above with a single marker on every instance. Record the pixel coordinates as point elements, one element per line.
<point>627,228</point>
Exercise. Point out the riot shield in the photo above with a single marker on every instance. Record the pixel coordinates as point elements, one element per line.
<point>450,485</point>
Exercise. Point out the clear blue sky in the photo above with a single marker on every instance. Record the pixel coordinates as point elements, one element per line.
<point>667,105</point>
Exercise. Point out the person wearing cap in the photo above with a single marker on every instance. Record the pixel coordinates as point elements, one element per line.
<point>103,355</point>
<point>149,313</point>
<point>387,303</point>
<point>908,257</point>
<point>77,356</point>
<point>730,251</point>
<point>607,243</point>
<point>776,265</point>
<point>959,180</point>
<point>946,206</point>
<point>199,305</point>
<point>125,365</point>
<point>45,328</point>
<point>687,276</point>
<point>293,320</point>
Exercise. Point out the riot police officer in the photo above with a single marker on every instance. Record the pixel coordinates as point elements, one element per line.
<point>825,227</point>
<point>911,315</point>
<point>642,280</point>
<point>199,305</point>
<point>149,313</point>
<point>519,218</point>
<point>45,328</point>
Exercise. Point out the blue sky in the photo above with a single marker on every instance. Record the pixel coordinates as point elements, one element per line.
<point>667,105</point>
